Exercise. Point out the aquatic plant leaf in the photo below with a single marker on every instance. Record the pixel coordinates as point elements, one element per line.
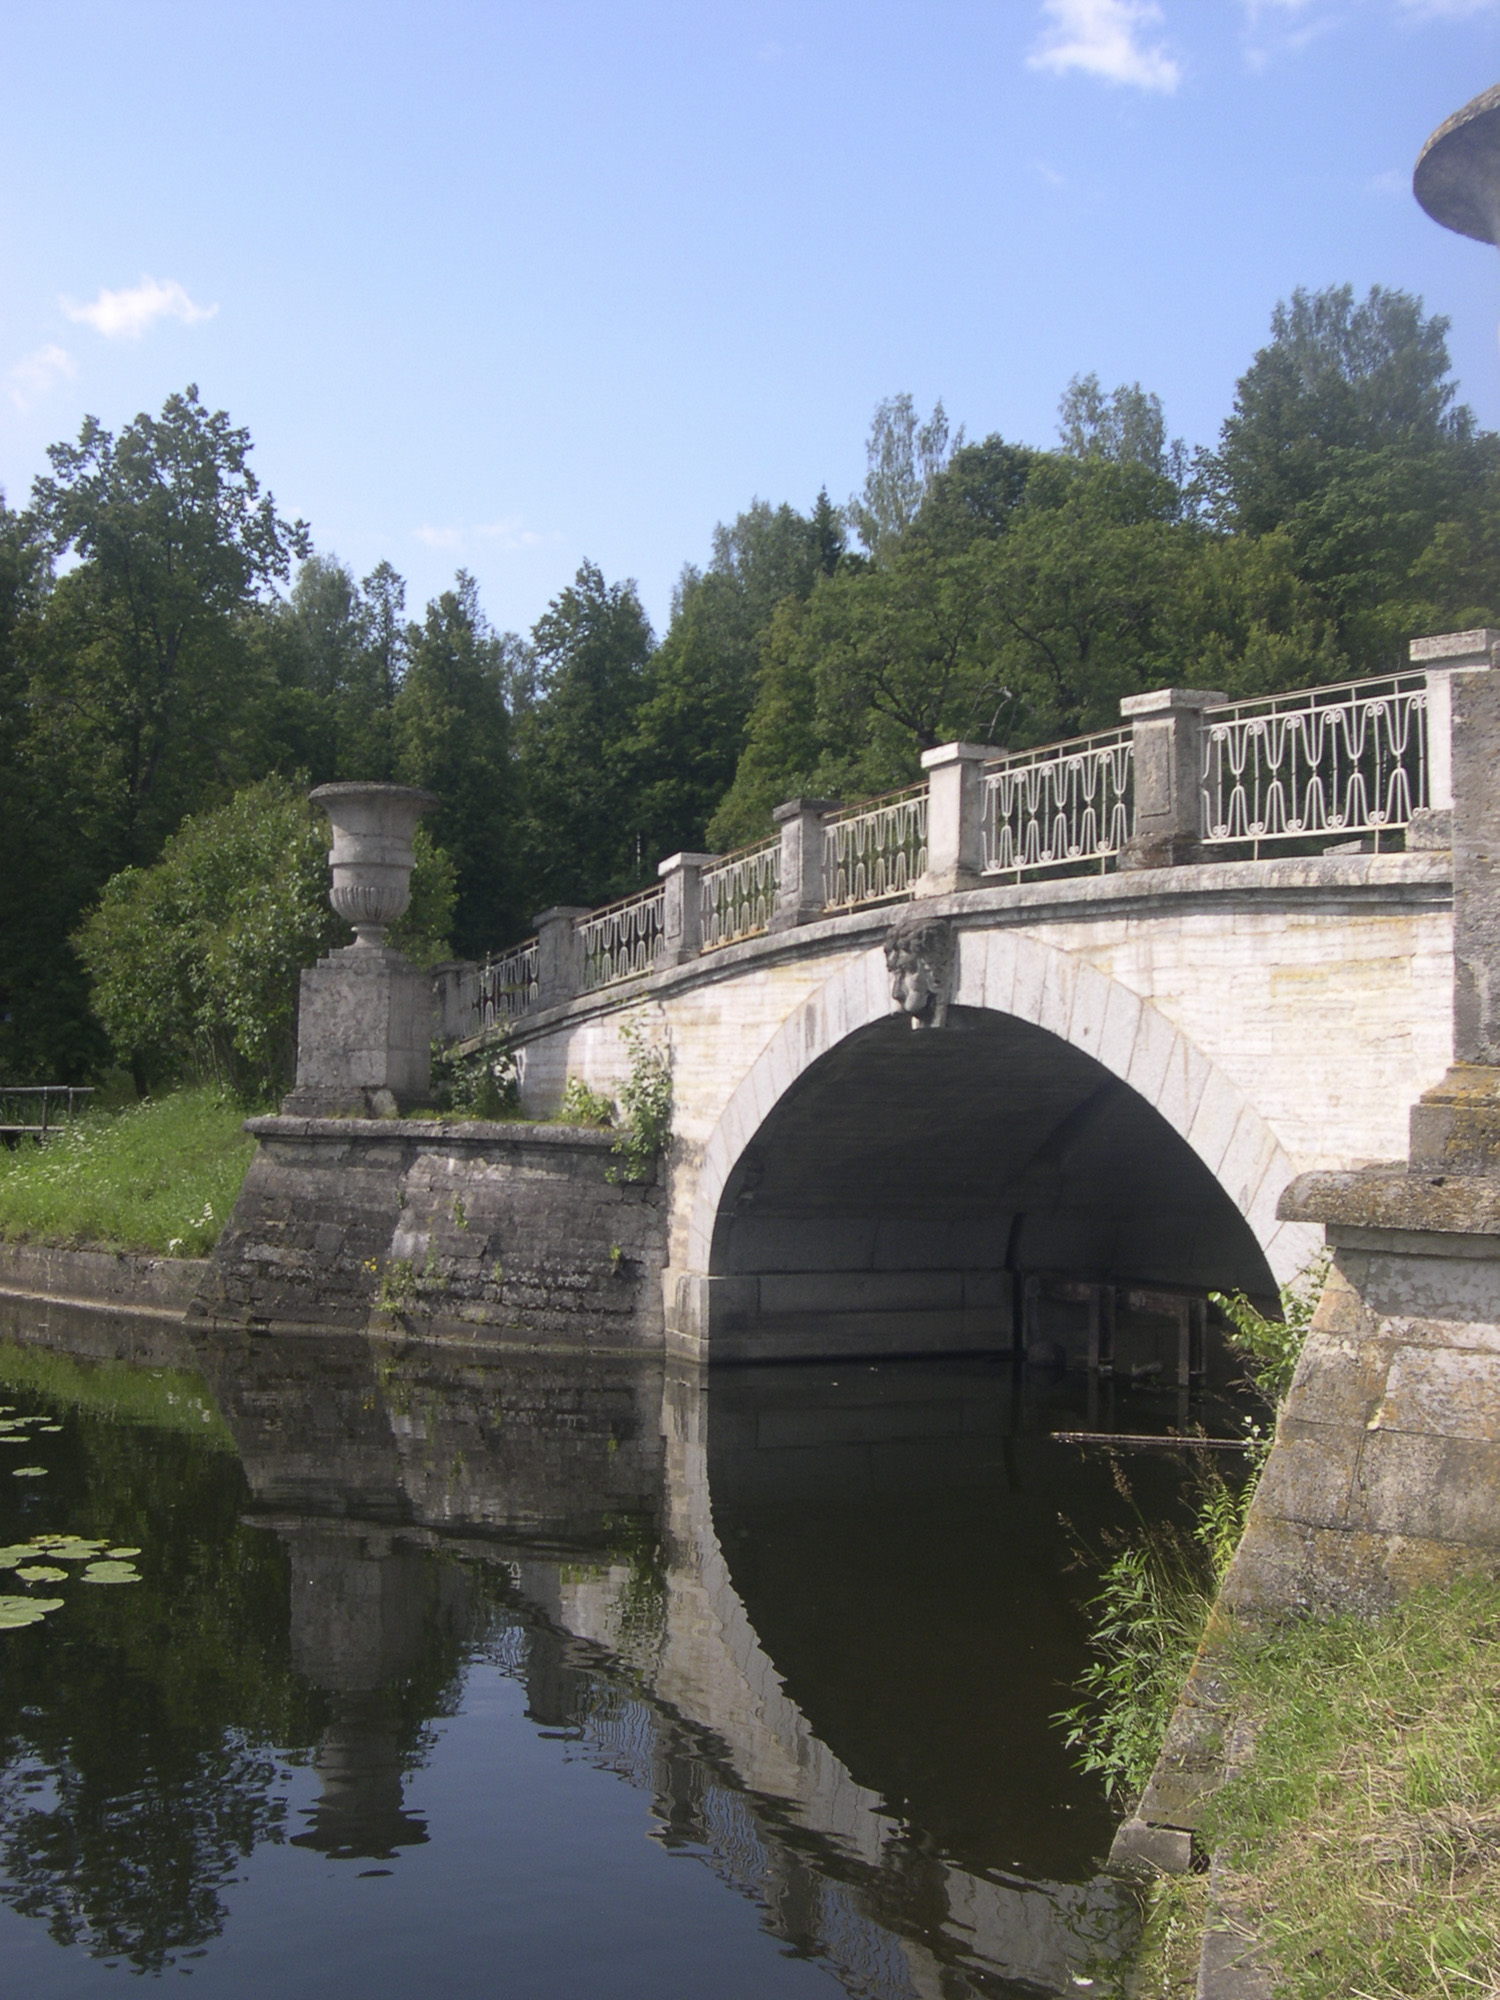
<point>17,1611</point>
<point>28,1472</point>
<point>41,1573</point>
<point>122,1555</point>
<point>111,1572</point>
<point>7,1438</point>
<point>50,1427</point>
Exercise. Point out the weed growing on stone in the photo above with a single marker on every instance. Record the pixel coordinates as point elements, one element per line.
<point>1362,1841</point>
<point>161,1176</point>
<point>582,1106</point>
<point>646,1104</point>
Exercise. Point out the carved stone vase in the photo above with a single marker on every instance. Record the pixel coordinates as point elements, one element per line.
<point>372,854</point>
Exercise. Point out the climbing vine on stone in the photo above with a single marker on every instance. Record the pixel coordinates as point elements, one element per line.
<point>645,1105</point>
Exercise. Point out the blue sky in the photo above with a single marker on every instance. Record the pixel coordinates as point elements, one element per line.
<point>511,285</point>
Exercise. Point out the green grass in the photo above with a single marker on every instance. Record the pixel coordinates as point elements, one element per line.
<point>161,1176</point>
<point>1362,1842</point>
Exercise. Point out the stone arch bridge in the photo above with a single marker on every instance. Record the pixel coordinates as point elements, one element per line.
<point>1088,1010</point>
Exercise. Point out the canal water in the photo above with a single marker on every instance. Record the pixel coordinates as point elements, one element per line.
<point>433,1675</point>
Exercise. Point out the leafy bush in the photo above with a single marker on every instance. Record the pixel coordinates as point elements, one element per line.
<point>195,961</point>
<point>481,1084</point>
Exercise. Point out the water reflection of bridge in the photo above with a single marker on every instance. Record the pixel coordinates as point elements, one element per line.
<point>411,1486</point>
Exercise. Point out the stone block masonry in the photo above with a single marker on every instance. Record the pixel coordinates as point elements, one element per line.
<point>500,1234</point>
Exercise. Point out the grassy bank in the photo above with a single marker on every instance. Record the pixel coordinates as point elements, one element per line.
<point>161,1176</point>
<point>1363,1840</point>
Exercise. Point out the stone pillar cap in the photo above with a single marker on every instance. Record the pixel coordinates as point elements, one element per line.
<point>793,807</point>
<point>960,753</point>
<point>355,789</point>
<point>1166,701</point>
<point>1472,649</point>
<point>674,862</point>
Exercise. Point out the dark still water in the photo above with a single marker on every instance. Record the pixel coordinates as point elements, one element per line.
<point>536,1679</point>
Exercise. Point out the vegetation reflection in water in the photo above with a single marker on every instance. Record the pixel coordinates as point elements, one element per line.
<point>833,1682</point>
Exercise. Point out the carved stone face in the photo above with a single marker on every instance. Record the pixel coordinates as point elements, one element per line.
<point>919,958</point>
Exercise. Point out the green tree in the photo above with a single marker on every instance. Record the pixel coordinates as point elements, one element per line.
<point>452,734</point>
<point>904,456</point>
<point>701,680</point>
<point>583,840</point>
<point>1347,435</point>
<point>142,695</point>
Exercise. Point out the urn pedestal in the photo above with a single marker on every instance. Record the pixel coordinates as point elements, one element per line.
<point>365,1014</point>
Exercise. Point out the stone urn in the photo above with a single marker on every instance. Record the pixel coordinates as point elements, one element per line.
<point>372,855</point>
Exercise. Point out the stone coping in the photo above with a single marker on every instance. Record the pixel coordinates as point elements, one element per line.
<point>1397,878</point>
<point>1392,1197</point>
<point>459,1133</point>
<point>108,1280</point>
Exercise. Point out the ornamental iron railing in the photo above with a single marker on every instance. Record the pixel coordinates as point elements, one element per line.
<point>873,852</point>
<point>507,985</point>
<point>622,939</point>
<point>738,894</point>
<point>35,1109</point>
<point>1349,759</point>
<point>1065,805</point>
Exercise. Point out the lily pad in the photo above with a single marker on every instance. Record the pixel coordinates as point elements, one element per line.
<point>18,1611</point>
<point>50,1427</point>
<point>28,1472</point>
<point>122,1555</point>
<point>8,1437</point>
<point>41,1573</point>
<point>111,1572</point>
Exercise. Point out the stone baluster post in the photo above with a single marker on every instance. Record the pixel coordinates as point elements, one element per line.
<point>559,954</point>
<point>802,892</point>
<point>955,817</point>
<point>1166,728</point>
<point>682,906</point>
<point>1443,657</point>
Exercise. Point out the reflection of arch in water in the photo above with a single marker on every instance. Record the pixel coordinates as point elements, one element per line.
<point>494,1459</point>
<point>1058,1122</point>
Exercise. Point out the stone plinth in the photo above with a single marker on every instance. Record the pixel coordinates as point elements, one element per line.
<point>364,1036</point>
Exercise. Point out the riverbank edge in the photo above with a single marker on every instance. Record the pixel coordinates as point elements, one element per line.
<point>101,1278</point>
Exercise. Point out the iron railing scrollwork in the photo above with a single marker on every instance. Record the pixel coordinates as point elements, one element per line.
<point>622,940</point>
<point>1349,759</point>
<point>507,985</point>
<point>874,852</point>
<point>1063,805</point>
<point>738,894</point>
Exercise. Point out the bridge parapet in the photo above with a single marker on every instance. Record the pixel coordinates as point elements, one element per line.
<point>1190,777</point>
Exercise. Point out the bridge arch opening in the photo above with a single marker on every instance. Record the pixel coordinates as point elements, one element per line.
<point>911,1192</point>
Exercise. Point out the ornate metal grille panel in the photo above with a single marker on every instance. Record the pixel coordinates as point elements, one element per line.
<point>507,985</point>
<point>874,852</point>
<point>1345,759</point>
<point>622,939</point>
<point>1065,804</point>
<point>739,894</point>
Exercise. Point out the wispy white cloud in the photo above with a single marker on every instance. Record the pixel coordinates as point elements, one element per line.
<point>509,532</point>
<point>34,374</point>
<point>125,315</point>
<point>1049,173</point>
<point>1112,39</point>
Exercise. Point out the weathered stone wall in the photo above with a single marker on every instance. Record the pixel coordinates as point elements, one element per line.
<point>121,1279</point>
<point>492,1232</point>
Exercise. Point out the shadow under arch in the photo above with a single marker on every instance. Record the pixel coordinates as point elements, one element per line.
<point>868,1188</point>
